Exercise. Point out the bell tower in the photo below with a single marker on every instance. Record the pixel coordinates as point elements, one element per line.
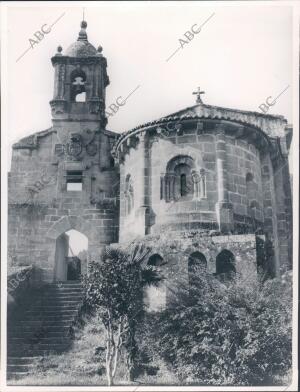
<point>79,83</point>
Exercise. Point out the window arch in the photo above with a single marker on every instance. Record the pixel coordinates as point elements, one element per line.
<point>129,195</point>
<point>196,264</point>
<point>155,296</point>
<point>177,183</point>
<point>156,260</point>
<point>225,266</point>
<point>78,81</point>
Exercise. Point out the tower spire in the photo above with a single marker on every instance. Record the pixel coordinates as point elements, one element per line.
<point>82,33</point>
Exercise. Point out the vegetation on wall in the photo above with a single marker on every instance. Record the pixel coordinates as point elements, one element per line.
<point>234,334</point>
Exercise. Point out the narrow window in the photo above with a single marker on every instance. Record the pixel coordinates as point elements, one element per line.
<point>78,82</point>
<point>74,180</point>
<point>183,188</point>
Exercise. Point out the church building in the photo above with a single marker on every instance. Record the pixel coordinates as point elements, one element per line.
<point>205,186</point>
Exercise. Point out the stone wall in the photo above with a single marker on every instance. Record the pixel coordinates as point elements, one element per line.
<point>176,250</point>
<point>147,161</point>
<point>41,208</point>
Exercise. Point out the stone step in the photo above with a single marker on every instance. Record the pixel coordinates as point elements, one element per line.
<point>38,341</point>
<point>48,312</point>
<point>43,346</point>
<point>61,290</point>
<point>64,286</point>
<point>16,375</point>
<point>37,352</point>
<point>49,322</point>
<point>28,334</point>
<point>19,368</point>
<point>51,328</point>
<point>57,307</point>
<point>61,298</point>
<point>65,283</point>
<point>44,328</point>
<point>21,360</point>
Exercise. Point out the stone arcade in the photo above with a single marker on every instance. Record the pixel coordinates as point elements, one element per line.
<point>205,185</point>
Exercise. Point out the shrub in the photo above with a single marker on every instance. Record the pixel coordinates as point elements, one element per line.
<point>234,334</point>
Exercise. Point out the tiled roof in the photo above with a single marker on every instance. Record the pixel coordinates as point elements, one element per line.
<point>272,125</point>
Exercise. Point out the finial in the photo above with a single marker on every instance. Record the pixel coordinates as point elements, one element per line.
<point>198,93</point>
<point>100,49</point>
<point>59,49</point>
<point>82,34</point>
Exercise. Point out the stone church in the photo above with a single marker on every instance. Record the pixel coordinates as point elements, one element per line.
<point>205,186</point>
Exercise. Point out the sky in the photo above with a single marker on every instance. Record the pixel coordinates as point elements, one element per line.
<point>241,56</point>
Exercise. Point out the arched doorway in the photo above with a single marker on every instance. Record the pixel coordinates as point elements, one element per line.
<point>155,296</point>
<point>225,266</point>
<point>196,265</point>
<point>71,256</point>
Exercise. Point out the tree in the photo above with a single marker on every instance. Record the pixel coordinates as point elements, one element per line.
<point>114,291</point>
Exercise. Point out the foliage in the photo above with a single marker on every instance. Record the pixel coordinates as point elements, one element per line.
<point>234,334</point>
<point>114,291</point>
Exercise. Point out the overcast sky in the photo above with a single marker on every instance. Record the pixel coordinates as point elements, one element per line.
<point>241,56</point>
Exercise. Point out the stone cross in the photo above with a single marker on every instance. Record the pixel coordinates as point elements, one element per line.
<point>198,93</point>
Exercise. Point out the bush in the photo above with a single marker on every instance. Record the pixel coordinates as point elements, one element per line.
<point>216,334</point>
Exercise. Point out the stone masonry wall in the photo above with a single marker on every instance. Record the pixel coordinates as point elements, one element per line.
<point>199,144</point>
<point>37,218</point>
<point>176,250</point>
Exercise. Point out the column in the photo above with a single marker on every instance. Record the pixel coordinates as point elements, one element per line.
<point>223,206</point>
<point>56,81</point>
<point>144,215</point>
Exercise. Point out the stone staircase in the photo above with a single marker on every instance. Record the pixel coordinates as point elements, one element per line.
<point>43,328</point>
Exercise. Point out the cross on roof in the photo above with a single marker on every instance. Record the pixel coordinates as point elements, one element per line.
<point>198,93</point>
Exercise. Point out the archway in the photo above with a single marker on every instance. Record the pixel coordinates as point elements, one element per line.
<point>155,296</point>
<point>196,265</point>
<point>225,266</point>
<point>71,256</point>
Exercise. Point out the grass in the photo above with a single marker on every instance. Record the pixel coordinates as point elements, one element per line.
<point>82,365</point>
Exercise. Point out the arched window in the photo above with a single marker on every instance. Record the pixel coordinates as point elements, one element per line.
<point>78,81</point>
<point>225,266</point>
<point>129,195</point>
<point>196,265</point>
<point>183,185</point>
<point>155,260</point>
<point>177,183</point>
<point>155,296</point>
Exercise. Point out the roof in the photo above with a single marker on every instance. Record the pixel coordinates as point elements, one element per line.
<point>272,125</point>
<point>31,141</point>
<point>82,47</point>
